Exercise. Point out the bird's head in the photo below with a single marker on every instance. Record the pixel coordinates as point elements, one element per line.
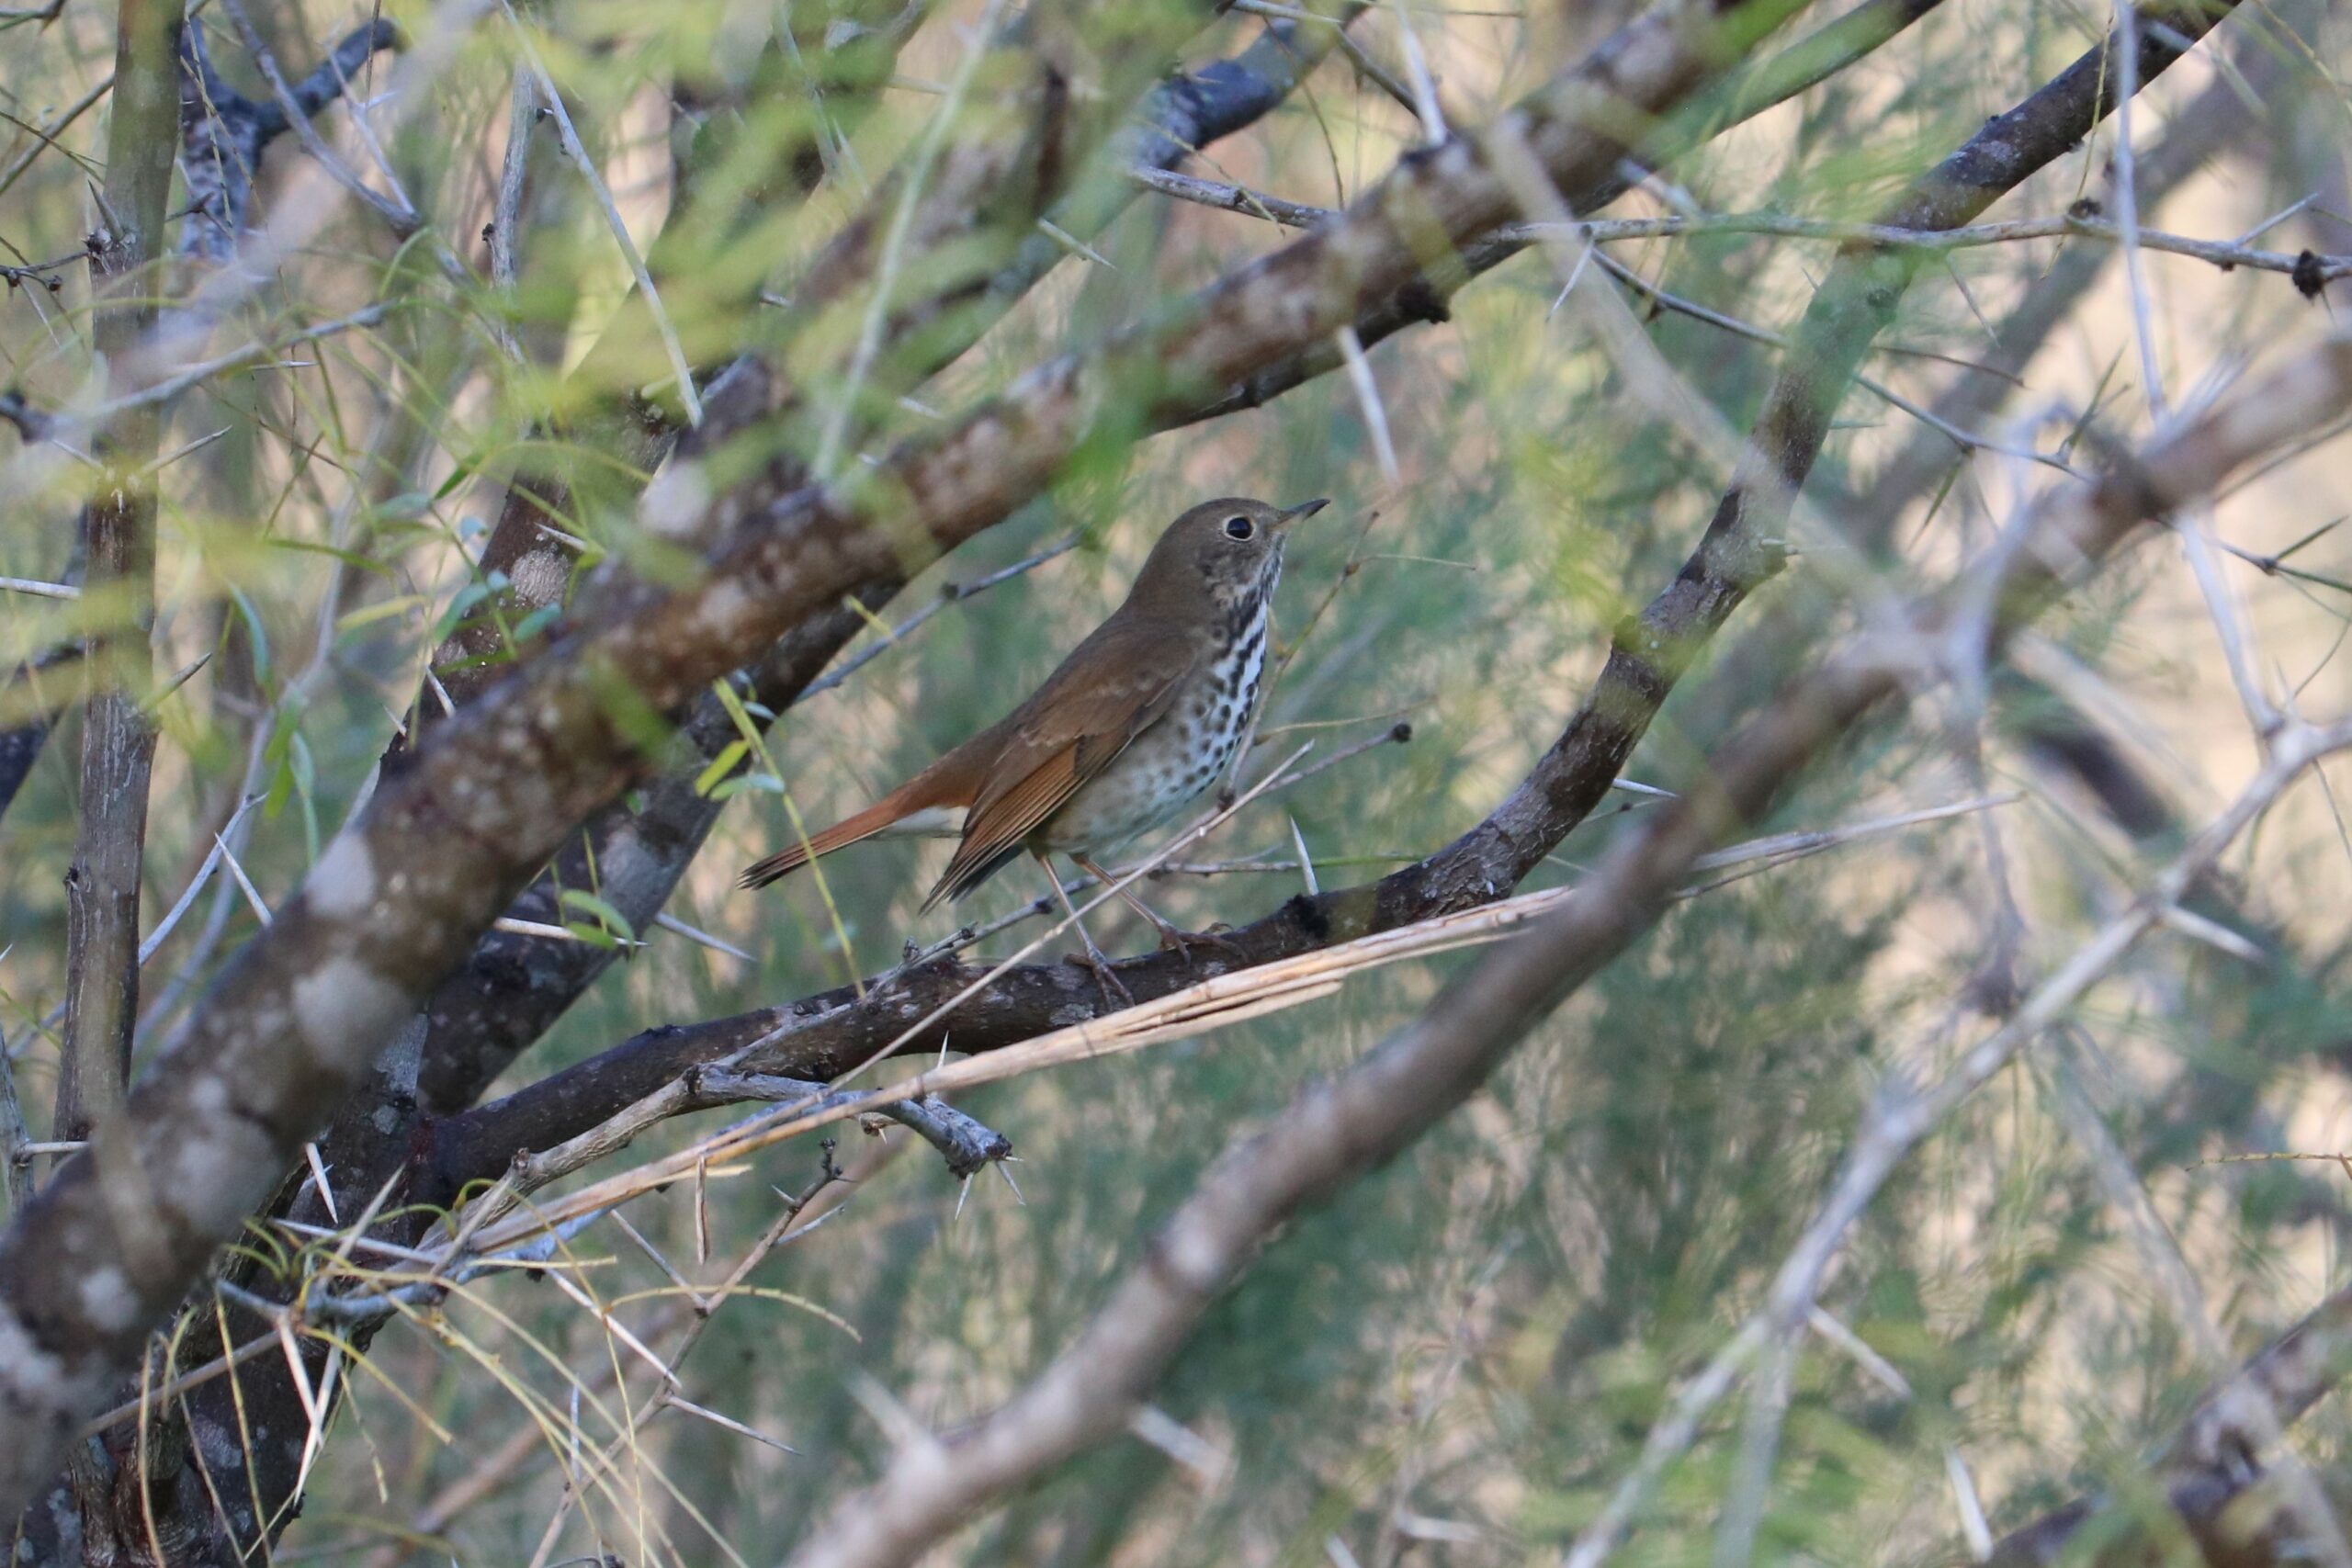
<point>1230,547</point>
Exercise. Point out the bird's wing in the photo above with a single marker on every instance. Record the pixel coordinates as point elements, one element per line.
<point>1062,738</point>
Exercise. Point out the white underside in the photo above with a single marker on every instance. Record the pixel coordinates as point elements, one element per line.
<point>1164,770</point>
<point>1170,765</point>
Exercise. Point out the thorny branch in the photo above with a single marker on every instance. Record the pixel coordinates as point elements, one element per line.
<point>118,546</point>
<point>222,134</point>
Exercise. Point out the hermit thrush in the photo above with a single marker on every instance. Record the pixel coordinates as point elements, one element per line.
<point>1135,724</point>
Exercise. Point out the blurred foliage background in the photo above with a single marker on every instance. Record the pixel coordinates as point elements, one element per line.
<point>1458,1359</point>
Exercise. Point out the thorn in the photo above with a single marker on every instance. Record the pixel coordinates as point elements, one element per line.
<point>897,1423</point>
<point>1306,862</point>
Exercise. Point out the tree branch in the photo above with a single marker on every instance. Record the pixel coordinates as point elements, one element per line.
<point>2311,270</point>
<point>118,546</point>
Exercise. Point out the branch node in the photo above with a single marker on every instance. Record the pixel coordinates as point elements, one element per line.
<point>2310,276</point>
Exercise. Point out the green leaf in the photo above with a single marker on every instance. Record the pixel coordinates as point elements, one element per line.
<point>259,632</point>
<point>611,920</point>
<point>756,783</point>
<point>368,614</point>
<point>720,766</point>
<point>406,507</point>
<point>348,558</point>
<point>537,622</point>
<point>461,605</point>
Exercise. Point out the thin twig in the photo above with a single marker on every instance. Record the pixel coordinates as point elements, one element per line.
<point>949,593</point>
<point>2228,254</point>
<point>838,418</point>
<point>681,372</point>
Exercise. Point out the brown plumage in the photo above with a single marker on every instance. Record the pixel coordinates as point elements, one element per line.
<point>1137,722</point>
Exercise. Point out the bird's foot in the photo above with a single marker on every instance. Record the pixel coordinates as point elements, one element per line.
<point>1186,942</point>
<point>1115,994</point>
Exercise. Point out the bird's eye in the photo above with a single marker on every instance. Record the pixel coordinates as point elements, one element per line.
<point>1239,528</point>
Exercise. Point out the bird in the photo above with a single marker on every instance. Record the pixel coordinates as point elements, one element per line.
<point>1132,727</point>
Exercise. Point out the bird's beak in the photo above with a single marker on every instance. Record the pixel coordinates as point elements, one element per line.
<point>1290,514</point>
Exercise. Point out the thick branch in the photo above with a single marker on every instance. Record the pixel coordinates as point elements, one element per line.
<point>119,544</point>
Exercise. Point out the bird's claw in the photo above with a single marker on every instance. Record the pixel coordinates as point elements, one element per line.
<point>1184,943</point>
<point>1115,994</point>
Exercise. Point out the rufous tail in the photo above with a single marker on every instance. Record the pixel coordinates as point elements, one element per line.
<point>924,791</point>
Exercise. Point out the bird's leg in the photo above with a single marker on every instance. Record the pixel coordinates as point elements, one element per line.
<point>1093,959</point>
<point>1171,934</point>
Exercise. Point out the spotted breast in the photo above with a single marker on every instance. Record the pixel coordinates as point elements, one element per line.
<point>1172,764</point>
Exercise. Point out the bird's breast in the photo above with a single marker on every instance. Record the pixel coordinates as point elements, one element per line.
<point>1172,764</point>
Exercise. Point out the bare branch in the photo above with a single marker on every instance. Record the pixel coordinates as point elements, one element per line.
<point>119,541</point>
